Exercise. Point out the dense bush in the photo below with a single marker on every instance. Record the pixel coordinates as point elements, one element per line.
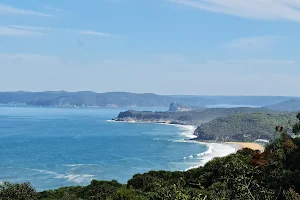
<point>14,191</point>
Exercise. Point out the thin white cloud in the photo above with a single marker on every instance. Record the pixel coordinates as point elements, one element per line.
<point>32,28</point>
<point>25,30</point>
<point>29,57</point>
<point>95,33</point>
<point>9,10</point>
<point>9,31</point>
<point>252,61</point>
<point>252,43</point>
<point>257,9</point>
<point>265,61</point>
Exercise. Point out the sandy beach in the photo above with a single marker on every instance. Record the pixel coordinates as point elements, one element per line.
<point>250,145</point>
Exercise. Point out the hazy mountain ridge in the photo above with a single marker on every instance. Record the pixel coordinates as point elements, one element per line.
<point>111,99</point>
<point>126,99</point>
<point>292,104</point>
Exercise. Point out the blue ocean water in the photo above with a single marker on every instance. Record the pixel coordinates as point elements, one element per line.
<point>55,147</point>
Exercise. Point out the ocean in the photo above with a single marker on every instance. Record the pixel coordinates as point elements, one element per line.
<point>55,147</point>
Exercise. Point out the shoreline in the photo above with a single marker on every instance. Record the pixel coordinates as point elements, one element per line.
<point>250,145</point>
<point>213,149</point>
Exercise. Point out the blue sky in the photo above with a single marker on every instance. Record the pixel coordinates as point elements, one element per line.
<point>203,47</point>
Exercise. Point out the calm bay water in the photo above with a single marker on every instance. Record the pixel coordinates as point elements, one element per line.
<point>55,147</point>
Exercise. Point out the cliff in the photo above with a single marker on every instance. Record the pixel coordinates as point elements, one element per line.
<point>193,117</point>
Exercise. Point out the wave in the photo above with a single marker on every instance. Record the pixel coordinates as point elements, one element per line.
<point>188,131</point>
<point>214,150</point>
<point>77,178</point>
<point>123,121</point>
<point>78,165</point>
<point>208,151</point>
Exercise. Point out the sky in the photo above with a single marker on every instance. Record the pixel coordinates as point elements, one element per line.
<point>199,47</point>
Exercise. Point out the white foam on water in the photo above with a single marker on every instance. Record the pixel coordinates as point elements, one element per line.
<point>121,121</point>
<point>214,150</point>
<point>77,178</point>
<point>78,165</point>
<point>188,130</point>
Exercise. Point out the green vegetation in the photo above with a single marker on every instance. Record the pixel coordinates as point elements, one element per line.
<point>248,174</point>
<point>244,127</point>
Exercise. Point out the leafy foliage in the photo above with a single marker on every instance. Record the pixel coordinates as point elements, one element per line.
<point>14,191</point>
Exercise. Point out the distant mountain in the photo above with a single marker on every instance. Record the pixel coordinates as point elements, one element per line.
<point>288,105</point>
<point>111,99</point>
<point>229,100</point>
<point>126,99</point>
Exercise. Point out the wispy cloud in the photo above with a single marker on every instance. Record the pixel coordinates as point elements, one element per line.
<point>9,31</point>
<point>25,30</point>
<point>95,33</point>
<point>29,58</point>
<point>9,10</point>
<point>253,62</point>
<point>252,43</point>
<point>32,28</point>
<point>257,9</point>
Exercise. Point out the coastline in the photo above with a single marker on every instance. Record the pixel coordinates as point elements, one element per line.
<point>213,149</point>
<point>250,145</point>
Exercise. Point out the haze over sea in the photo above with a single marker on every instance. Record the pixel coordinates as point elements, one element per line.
<point>54,147</point>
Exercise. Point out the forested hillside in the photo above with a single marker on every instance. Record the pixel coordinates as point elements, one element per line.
<point>243,127</point>
<point>288,105</point>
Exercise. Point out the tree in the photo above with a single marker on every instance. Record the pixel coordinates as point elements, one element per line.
<point>15,191</point>
<point>296,127</point>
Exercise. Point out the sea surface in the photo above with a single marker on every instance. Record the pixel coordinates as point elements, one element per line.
<point>55,147</point>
